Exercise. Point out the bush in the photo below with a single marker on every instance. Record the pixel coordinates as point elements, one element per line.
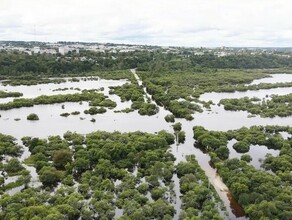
<point>169,118</point>
<point>241,146</point>
<point>66,114</point>
<point>94,111</point>
<point>181,137</point>
<point>246,157</point>
<point>13,166</point>
<point>32,117</point>
<point>222,152</point>
<point>177,126</point>
<point>61,158</point>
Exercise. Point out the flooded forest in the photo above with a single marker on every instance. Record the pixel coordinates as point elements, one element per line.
<point>145,135</point>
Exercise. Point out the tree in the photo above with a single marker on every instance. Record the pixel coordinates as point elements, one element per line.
<point>222,152</point>
<point>177,126</point>
<point>49,176</point>
<point>61,158</point>
<point>181,136</point>
<point>13,166</point>
<point>161,208</point>
<point>241,146</point>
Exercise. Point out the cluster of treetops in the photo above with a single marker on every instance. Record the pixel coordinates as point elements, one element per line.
<point>263,193</point>
<point>93,175</point>
<point>277,105</point>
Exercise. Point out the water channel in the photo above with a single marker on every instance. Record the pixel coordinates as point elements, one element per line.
<point>51,123</point>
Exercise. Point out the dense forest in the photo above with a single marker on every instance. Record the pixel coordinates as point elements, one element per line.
<point>19,64</point>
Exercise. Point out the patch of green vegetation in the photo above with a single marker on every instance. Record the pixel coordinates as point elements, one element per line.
<point>86,95</point>
<point>32,117</point>
<point>133,92</point>
<point>4,94</point>
<point>278,105</point>
<point>169,118</point>
<point>75,113</point>
<point>260,193</point>
<point>94,111</point>
<point>195,189</point>
<point>66,114</point>
<point>97,161</point>
<point>116,75</point>
<point>30,80</point>
<point>181,136</point>
<point>23,179</point>
<point>126,110</point>
<point>179,91</point>
<point>93,120</point>
<point>9,147</point>
<point>13,167</point>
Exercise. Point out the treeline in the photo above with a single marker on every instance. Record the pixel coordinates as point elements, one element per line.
<point>15,64</point>
<point>201,63</point>
<point>242,61</point>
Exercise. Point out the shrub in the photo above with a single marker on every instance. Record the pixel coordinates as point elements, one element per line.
<point>32,117</point>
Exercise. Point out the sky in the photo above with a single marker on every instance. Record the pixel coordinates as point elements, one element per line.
<point>194,23</point>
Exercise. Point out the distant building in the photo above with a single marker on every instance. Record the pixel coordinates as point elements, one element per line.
<point>36,49</point>
<point>28,52</point>
<point>63,50</point>
<point>199,53</point>
<point>49,51</point>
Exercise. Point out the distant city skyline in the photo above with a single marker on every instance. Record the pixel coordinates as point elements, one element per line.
<point>191,23</point>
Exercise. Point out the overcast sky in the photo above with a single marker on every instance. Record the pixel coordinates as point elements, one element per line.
<point>156,22</point>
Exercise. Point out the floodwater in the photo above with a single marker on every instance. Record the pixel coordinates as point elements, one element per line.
<point>221,120</point>
<point>257,153</point>
<point>275,78</point>
<point>263,93</point>
<point>51,123</point>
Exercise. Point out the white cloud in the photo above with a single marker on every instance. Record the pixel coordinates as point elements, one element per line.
<point>159,22</point>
